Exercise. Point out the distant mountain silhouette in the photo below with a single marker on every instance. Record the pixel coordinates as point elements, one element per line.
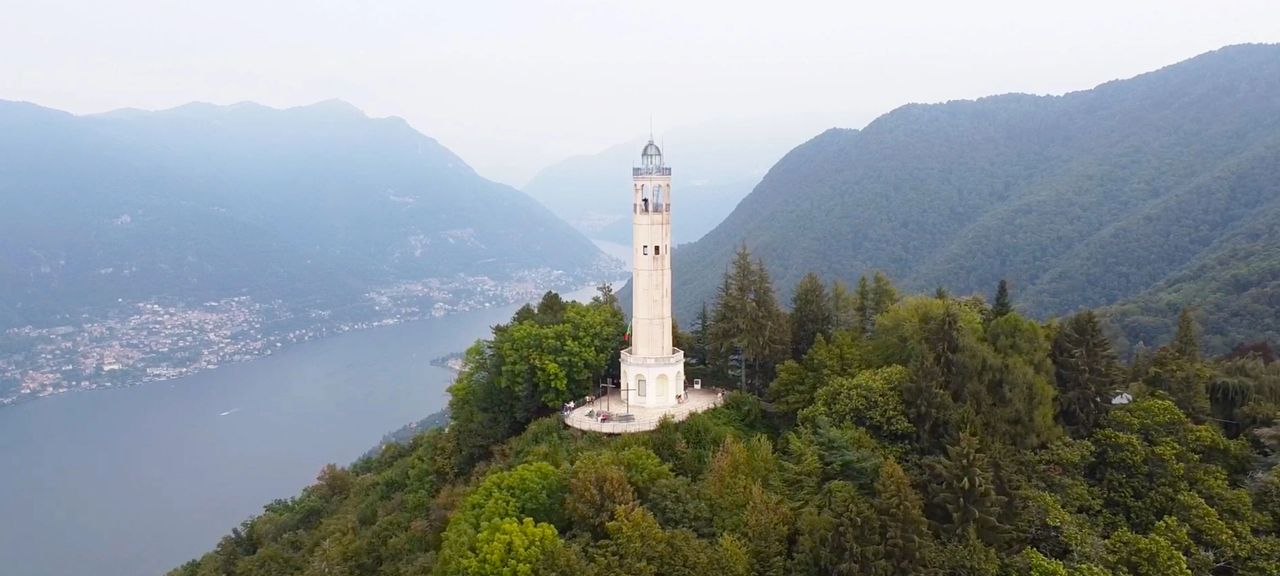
<point>1148,194</point>
<point>715,165</point>
<point>314,204</point>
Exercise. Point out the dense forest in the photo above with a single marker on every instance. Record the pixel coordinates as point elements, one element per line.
<point>1144,195</point>
<point>866,432</point>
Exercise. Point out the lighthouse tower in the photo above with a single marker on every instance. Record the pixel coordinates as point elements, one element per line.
<point>652,369</point>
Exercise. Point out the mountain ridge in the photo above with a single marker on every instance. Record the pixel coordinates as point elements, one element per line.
<point>1036,189</point>
<point>322,193</point>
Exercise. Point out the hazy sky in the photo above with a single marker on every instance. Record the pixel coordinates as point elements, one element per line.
<point>513,86</point>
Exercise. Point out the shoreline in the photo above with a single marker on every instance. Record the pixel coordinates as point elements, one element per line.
<point>318,336</point>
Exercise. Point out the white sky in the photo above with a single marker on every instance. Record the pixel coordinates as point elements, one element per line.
<point>513,86</point>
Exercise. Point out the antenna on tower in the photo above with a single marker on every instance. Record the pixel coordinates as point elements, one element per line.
<point>651,126</point>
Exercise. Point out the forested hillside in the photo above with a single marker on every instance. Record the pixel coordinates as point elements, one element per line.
<point>1158,192</point>
<point>313,205</point>
<point>873,434</point>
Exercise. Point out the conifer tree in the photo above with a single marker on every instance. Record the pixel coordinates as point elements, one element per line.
<point>1086,371</point>
<point>843,307</point>
<point>701,335</point>
<point>901,511</point>
<point>746,319</point>
<point>863,307</point>
<point>1002,305</point>
<point>883,294</point>
<point>810,314</point>
<point>1186,341</point>
<point>966,495</point>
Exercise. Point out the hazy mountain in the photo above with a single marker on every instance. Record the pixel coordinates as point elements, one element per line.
<point>716,165</point>
<point>1163,188</point>
<point>311,204</point>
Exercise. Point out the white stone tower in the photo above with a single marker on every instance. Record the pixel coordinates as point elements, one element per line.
<point>652,369</point>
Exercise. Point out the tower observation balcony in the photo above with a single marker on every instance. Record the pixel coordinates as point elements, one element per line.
<point>651,171</point>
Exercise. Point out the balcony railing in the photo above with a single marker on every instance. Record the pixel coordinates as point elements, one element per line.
<point>651,171</point>
<point>676,356</point>
<point>652,208</point>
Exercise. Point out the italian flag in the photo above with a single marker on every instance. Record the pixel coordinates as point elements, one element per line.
<point>627,336</point>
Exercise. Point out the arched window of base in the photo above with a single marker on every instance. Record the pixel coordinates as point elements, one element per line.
<point>664,386</point>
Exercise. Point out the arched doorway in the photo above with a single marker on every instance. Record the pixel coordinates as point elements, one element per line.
<point>664,387</point>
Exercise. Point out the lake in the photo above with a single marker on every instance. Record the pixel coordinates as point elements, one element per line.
<point>135,481</point>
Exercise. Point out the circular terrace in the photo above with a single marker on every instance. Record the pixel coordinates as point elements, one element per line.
<point>613,415</point>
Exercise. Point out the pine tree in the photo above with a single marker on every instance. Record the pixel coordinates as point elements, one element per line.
<point>843,307</point>
<point>863,308</point>
<point>901,511</point>
<point>810,314</point>
<point>1186,341</point>
<point>1002,305</point>
<point>701,335</point>
<point>1086,371</point>
<point>966,493</point>
<point>883,294</point>
<point>746,319</point>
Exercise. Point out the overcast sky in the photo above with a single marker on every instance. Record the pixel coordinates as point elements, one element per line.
<point>513,86</point>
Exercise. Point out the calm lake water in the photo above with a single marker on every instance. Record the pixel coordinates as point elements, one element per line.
<point>135,481</point>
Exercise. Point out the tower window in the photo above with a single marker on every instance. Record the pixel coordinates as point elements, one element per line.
<point>657,250</point>
<point>645,250</point>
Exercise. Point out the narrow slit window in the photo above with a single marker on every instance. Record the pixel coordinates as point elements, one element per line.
<point>657,250</point>
<point>645,250</point>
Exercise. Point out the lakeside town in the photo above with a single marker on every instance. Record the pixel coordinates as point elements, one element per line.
<point>150,341</point>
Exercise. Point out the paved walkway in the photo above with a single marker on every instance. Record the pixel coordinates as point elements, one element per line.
<point>645,418</point>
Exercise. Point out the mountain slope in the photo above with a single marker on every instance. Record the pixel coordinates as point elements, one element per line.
<point>314,205</point>
<point>1080,200</point>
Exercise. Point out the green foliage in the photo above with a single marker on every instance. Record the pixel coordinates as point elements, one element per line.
<point>1086,371</point>
<point>811,314</point>
<point>965,503</point>
<point>901,512</point>
<point>1002,304</point>
<point>926,446</point>
<point>747,321</point>
<point>507,547</point>
<point>871,400</point>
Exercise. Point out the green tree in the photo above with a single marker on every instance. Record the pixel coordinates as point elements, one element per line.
<point>1186,381</point>
<point>596,490</point>
<point>872,400</point>
<point>746,319</point>
<point>901,512</point>
<point>811,314</point>
<point>844,315</point>
<point>1086,371</point>
<point>1186,341</point>
<point>965,498</point>
<point>510,547</point>
<point>699,352</point>
<point>1137,555</point>
<point>864,307</point>
<point>883,294</point>
<point>1002,304</point>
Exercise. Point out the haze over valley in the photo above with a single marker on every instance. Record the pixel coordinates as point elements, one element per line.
<point>593,288</point>
<point>147,245</point>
